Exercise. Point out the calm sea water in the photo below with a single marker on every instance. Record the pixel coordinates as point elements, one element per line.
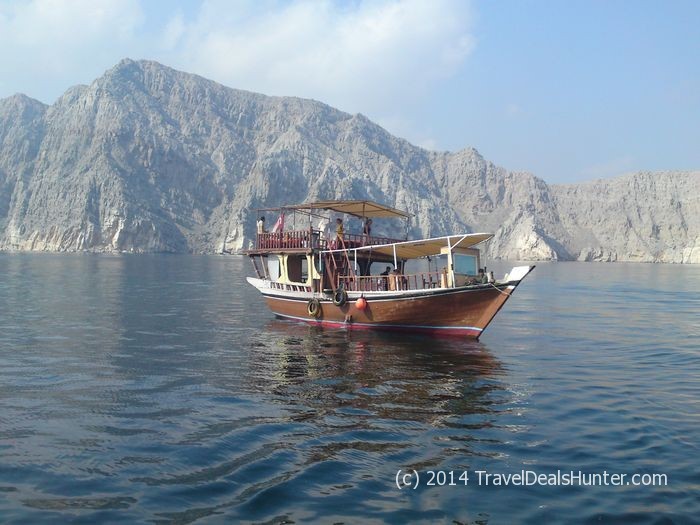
<point>160,389</point>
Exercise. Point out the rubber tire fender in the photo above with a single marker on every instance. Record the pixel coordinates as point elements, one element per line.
<point>313,308</point>
<point>340,297</point>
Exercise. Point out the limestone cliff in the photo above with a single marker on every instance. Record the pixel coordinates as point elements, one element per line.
<point>639,217</point>
<point>147,158</point>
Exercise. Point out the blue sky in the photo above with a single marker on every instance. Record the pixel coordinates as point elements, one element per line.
<point>568,90</point>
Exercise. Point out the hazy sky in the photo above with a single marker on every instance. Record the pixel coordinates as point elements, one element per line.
<point>568,90</point>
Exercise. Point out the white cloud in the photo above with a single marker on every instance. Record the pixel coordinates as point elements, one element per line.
<point>513,110</point>
<point>49,42</point>
<point>359,57</point>
<point>610,168</point>
<point>375,57</point>
<point>174,31</point>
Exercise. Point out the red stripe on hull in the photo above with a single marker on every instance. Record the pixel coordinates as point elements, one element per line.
<point>430,330</point>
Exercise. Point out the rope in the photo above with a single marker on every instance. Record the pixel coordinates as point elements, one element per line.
<point>498,289</point>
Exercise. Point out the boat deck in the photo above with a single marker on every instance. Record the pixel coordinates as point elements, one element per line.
<point>307,240</point>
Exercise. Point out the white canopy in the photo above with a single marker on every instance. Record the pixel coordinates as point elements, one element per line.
<point>425,247</point>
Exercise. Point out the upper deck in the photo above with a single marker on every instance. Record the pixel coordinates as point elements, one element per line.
<point>311,240</point>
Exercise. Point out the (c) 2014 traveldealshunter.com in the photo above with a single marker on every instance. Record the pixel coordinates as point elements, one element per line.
<point>437,478</point>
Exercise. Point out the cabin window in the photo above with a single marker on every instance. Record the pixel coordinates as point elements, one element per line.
<point>273,268</point>
<point>464,264</point>
<point>304,270</point>
<point>294,268</point>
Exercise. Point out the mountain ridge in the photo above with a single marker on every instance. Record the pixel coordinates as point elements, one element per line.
<point>147,158</point>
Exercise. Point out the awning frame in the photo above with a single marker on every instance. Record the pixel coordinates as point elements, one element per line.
<point>357,208</point>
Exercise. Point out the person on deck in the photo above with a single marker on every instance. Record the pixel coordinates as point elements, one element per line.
<point>339,232</point>
<point>261,224</point>
<point>367,229</point>
<point>385,278</point>
<point>325,229</point>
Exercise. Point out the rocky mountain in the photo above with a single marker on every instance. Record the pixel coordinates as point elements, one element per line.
<point>147,158</point>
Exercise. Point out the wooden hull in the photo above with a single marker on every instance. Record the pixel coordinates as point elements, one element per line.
<point>464,311</point>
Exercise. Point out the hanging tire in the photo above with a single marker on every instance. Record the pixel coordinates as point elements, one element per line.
<point>340,297</point>
<point>313,308</point>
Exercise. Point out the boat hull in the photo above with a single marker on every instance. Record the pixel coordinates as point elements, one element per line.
<point>464,311</point>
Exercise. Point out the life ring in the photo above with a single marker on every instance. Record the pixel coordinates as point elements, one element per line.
<point>313,308</point>
<point>340,297</point>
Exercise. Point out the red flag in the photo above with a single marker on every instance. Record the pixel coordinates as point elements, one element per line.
<point>279,225</point>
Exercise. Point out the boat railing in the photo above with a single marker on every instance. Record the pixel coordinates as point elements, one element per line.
<point>378,283</point>
<point>305,239</point>
<point>294,239</point>
<point>355,240</point>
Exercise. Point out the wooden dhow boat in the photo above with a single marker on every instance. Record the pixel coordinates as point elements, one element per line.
<point>329,277</point>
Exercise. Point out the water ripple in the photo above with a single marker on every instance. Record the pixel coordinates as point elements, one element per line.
<point>159,389</point>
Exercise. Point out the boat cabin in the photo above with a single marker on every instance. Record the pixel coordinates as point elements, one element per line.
<point>305,258</point>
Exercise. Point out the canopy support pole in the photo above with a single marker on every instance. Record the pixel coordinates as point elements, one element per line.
<point>450,262</point>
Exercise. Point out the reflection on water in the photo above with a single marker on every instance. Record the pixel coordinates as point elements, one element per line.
<point>375,381</point>
<point>413,370</point>
<point>159,388</point>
